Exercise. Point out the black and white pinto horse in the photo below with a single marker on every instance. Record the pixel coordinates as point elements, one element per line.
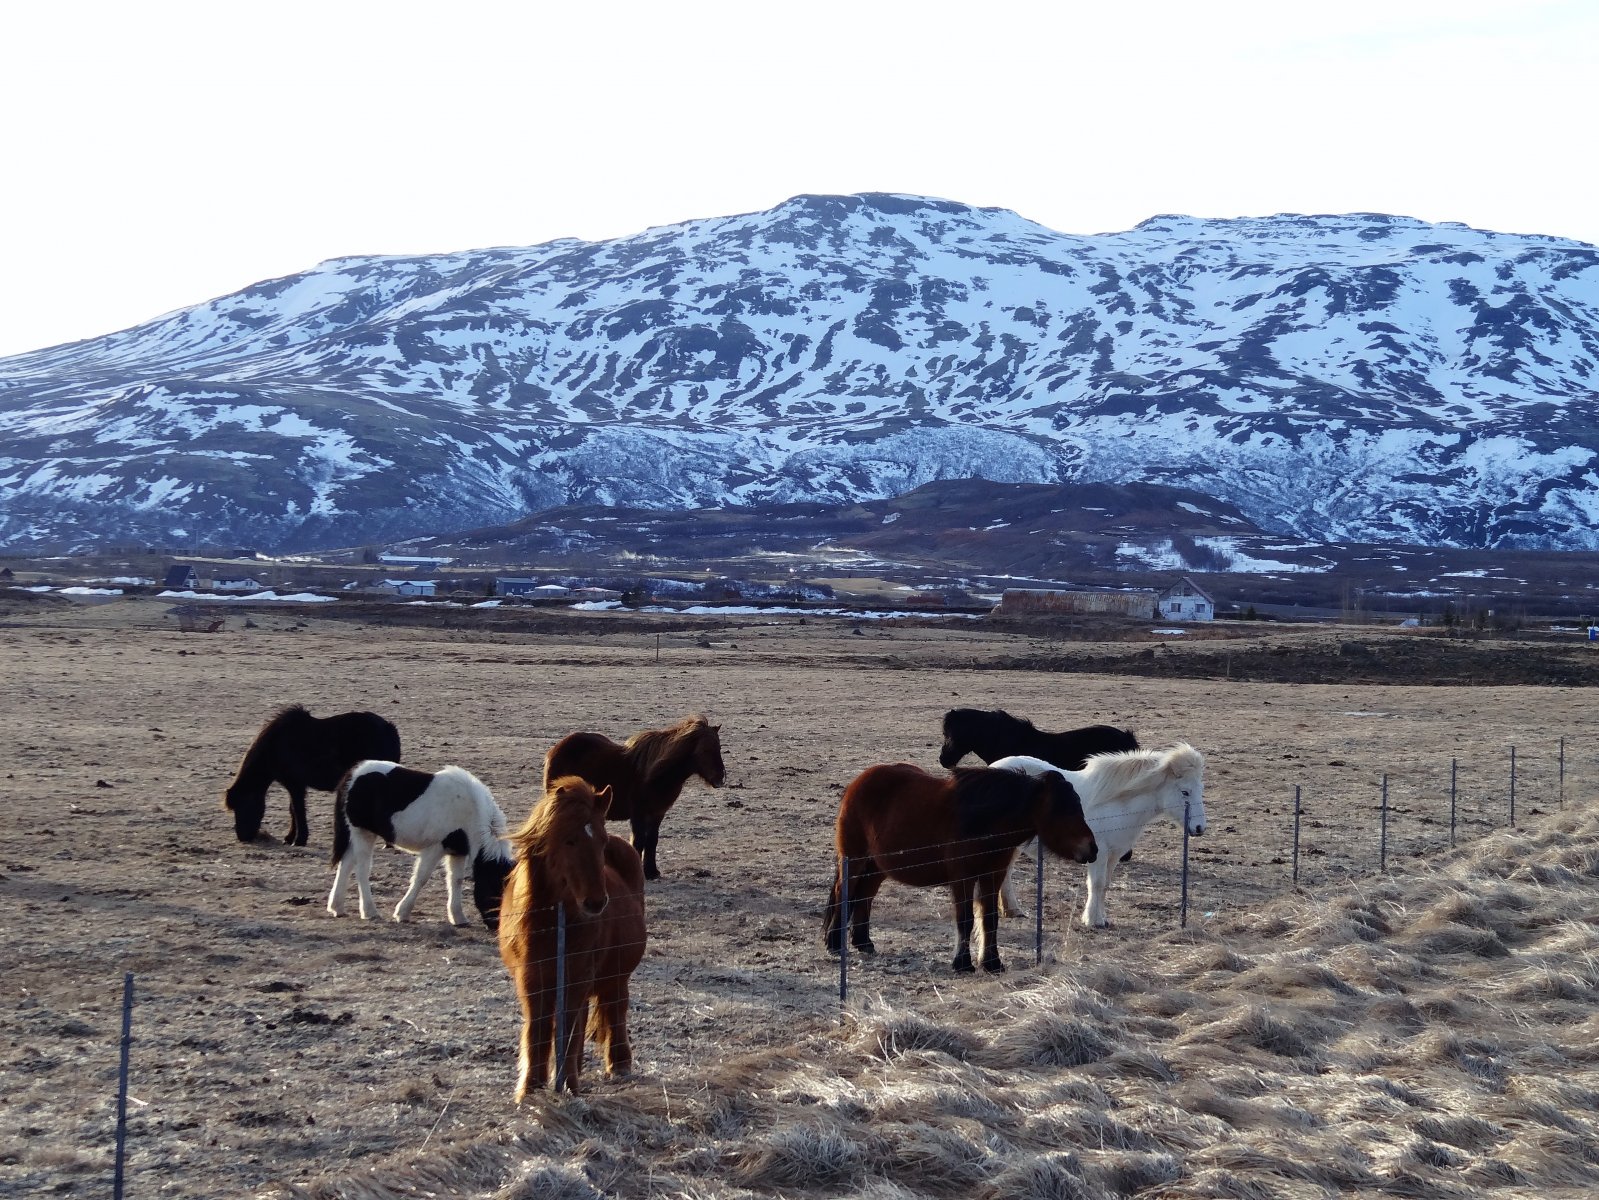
<point>301,751</point>
<point>993,734</point>
<point>449,814</point>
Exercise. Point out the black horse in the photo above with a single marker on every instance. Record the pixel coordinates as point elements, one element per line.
<point>301,751</point>
<point>992,734</point>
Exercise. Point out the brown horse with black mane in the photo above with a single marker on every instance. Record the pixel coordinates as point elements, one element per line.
<point>569,868</point>
<point>645,774</point>
<point>897,821</point>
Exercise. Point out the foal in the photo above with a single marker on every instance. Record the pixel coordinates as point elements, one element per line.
<point>448,815</point>
<point>568,867</point>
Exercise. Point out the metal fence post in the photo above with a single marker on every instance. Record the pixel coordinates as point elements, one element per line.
<point>1453,764</point>
<point>1038,904</point>
<point>1512,787</point>
<point>1296,833</point>
<point>122,1084</point>
<point>1183,918</point>
<point>1383,859</point>
<point>1562,773</point>
<point>560,997</point>
<point>843,935</point>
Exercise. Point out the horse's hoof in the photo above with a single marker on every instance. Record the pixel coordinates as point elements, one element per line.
<point>994,968</point>
<point>964,966</point>
<point>865,947</point>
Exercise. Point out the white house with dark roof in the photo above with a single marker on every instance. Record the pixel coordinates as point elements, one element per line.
<point>1185,600</point>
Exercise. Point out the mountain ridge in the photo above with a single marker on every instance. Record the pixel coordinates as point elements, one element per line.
<point>1357,377</point>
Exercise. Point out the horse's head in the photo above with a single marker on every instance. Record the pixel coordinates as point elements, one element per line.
<point>1058,813</point>
<point>708,763</point>
<point>247,803</point>
<point>1184,788</point>
<point>567,834</point>
<point>489,873</point>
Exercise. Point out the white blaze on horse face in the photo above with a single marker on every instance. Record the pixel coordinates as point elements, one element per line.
<point>589,829</point>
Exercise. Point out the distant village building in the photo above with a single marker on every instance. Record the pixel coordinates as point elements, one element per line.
<point>236,583</point>
<point>506,585</point>
<point>413,560</point>
<point>181,578</point>
<point>408,587</point>
<point>1023,602</point>
<point>1185,600</point>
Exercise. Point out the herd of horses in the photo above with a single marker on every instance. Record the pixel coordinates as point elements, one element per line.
<point>565,897</point>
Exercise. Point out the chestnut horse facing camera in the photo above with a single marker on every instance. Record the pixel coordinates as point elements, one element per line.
<point>568,865</point>
<point>897,821</point>
<point>646,773</point>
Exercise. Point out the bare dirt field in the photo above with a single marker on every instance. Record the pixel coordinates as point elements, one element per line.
<point>1425,1031</point>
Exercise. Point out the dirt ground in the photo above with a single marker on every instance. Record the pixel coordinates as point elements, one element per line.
<point>275,1046</point>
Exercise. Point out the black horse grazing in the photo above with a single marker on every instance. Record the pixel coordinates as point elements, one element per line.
<point>993,734</point>
<point>301,751</point>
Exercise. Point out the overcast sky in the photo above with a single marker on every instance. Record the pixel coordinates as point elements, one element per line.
<point>157,154</point>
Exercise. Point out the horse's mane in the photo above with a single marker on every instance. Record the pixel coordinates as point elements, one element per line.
<point>543,823</point>
<point>651,749</point>
<point>1112,776</point>
<point>264,740</point>
<point>981,791</point>
<point>987,717</point>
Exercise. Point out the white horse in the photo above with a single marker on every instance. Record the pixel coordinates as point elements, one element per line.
<point>449,815</point>
<point>1121,793</point>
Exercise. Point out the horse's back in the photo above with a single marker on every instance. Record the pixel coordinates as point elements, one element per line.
<point>597,760</point>
<point>890,806</point>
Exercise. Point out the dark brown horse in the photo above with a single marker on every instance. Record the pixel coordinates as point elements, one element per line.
<point>301,751</point>
<point>568,867</point>
<point>897,821</point>
<point>645,774</point>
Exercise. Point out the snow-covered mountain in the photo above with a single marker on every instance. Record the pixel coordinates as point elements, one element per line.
<point>1353,378</point>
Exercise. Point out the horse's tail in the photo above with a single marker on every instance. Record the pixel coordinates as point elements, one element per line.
<point>341,826</point>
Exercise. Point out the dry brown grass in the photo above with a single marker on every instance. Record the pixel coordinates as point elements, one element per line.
<point>1427,1033</point>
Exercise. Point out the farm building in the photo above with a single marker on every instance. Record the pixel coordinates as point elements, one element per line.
<point>506,585</point>
<point>408,587</point>
<point>237,583</point>
<point>1185,600</point>
<point>1023,602</point>
<point>181,578</point>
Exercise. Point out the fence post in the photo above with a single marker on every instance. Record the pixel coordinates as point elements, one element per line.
<point>122,1084</point>
<point>1183,918</point>
<point>1453,764</point>
<point>1383,860</point>
<point>1562,772</point>
<point>1512,787</point>
<point>560,997</point>
<point>1296,834</point>
<point>1038,903</point>
<point>843,935</point>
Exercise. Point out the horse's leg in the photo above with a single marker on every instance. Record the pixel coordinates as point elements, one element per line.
<point>961,890</point>
<point>608,1027</point>
<point>652,838</point>
<point>832,921</point>
<point>1008,906</point>
<point>577,1003</point>
<point>988,887</point>
<point>455,877</point>
<point>538,1029</point>
<point>1098,883</point>
<point>426,863</point>
<point>864,883</point>
<point>341,880</point>
<point>362,843</point>
<point>297,826</point>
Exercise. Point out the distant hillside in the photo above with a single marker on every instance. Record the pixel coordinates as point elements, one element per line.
<point>1355,378</point>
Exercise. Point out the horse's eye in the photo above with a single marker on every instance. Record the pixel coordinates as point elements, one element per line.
<point>1186,793</point>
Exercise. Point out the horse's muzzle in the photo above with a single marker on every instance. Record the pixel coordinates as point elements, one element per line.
<point>1196,831</point>
<point>595,907</point>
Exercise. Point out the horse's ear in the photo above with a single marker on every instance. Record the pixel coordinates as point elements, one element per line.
<point>602,801</point>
